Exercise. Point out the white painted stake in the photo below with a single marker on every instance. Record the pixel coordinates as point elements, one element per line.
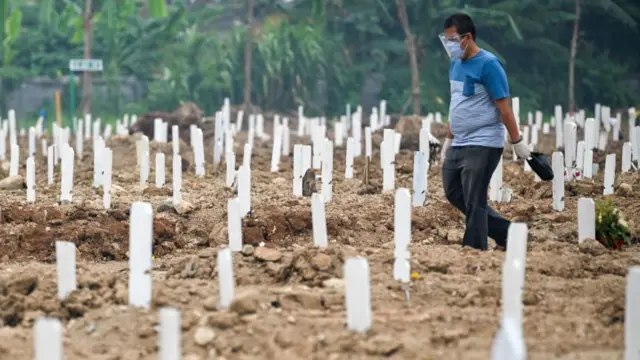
<point>169,338</point>
<point>276,150</point>
<point>286,138</point>
<point>140,263</point>
<point>609,174</point>
<point>176,172</point>
<point>632,315</point>
<point>226,282</point>
<point>368,147</point>
<point>47,339</point>
<point>396,143</point>
<point>569,141</point>
<point>512,289</point>
<point>509,342</point>
<point>32,141</point>
<point>402,235</point>
<point>15,160</point>
<point>31,180</point>
<point>580,152</point>
<point>244,190</point>
<point>388,166</point>
<point>231,168</point>
<point>419,178</point>
<point>558,125</point>
<point>234,224</point>
<point>65,268</point>
<point>108,171</point>
<point>358,294</point>
<point>636,146</point>
<point>626,157</point>
<point>246,156</point>
<point>495,184</point>
<point>319,221</point>
<point>144,168</point>
<point>297,170</point>
<point>160,170</point>
<point>588,164</point>
<point>50,167</point>
<point>318,142</point>
<point>348,171</point>
<point>327,171</point>
<point>198,152</point>
<point>586,219</point>
<point>66,183</point>
<point>175,139</point>
<point>557,163</point>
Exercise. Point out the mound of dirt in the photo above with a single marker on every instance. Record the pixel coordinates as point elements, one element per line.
<point>186,115</point>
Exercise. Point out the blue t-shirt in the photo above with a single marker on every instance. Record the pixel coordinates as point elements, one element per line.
<point>476,84</point>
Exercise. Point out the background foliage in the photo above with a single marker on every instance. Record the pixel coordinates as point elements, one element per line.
<point>320,52</point>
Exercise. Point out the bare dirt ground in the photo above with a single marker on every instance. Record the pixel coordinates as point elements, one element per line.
<point>290,304</point>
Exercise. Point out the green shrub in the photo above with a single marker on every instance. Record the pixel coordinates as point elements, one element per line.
<point>611,228</point>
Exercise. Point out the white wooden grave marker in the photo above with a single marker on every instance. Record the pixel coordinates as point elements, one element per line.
<point>586,219</point>
<point>175,139</point>
<point>231,169</point>
<point>198,152</point>
<point>402,235</point>
<point>15,159</point>
<point>580,152</point>
<point>327,171</point>
<point>225,278</point>
<point>388,166</point>
<point>495,184</point>
<point>509,342</point>
<point>108,171</point>
<point>286,138</point>
<point>609,174</point>
<point>244,190</point>
<point>297,170</point>
<point>636,146</point>
<point>246,156</point>
<point>626,157</point>
<point>276,150</point>
<point>588,164</point>
<point>368,144</point>
<point>66,183</point>
<point>65,268</point>
<point>419,178</point>
<point>160,170</point>
<point>348,171</point>
<point>144,168</point>
<point>169,338</point>
<point>632,315</point>
<point>32,141</point>
<point>31,180</point>
<point>50,167</point>
<point>176,173</point>
<point>234,224</point>
<point>358,294</point>
<point>570,139</point>
<point>557,164</point>
<point>48,339</point>
<point>140,264</point>
<point>319,221</point>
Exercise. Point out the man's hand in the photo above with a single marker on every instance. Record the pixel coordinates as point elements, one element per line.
<point>521,149</point>
<point>445,147</point>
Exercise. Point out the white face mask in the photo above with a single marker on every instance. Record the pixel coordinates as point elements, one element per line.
<point>452,47</point>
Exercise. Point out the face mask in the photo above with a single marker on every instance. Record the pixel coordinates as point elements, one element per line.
<point>454,49</point>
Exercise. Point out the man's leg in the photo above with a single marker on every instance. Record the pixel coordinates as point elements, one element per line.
<point>451,180</point>
<point>482,221</point>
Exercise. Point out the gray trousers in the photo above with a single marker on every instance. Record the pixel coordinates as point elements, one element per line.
<point>466,174</point>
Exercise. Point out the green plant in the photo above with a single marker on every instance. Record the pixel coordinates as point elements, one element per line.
<point>611,228</point>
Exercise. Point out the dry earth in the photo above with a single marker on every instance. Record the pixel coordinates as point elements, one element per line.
<point>290,301</point>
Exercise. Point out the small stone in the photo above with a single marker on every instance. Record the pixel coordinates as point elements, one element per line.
<point>245,304</point>
<point>592,247</point>
<point>248,250</point>
<point>192,357</point>
<point>210,304</point>
<point>321,261</point>
<point>13,183</point>
<point>625,190</point>
<point>334,283</point>
<point>279,181</point>
<point>207,253</point>
<point>166,206</point>
<point>204,336</point>
<point>184,207</point>
<point>267,254</point>
<point>291,319</point>
<point>454,236</point>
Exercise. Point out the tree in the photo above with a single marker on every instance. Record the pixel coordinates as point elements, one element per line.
<point>248,49</point>
<point>572,59</point>
<point>413,59</point>
<point>86,76</point>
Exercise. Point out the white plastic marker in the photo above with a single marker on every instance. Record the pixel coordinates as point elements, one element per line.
<point>31,180</point>
<point>579,171</point>
<point>244,190</point>
<point>626,157</point>
<point>632,315</point>
<point>175,139</point>
<point>50,167</point>
<point>609,174</point>
<point>327,171</point>
<point>98,159</point>
<point>539,119</point>
<point>239,120</point>
<point>396,142</point>
<point>276,150</point>
<point>319,221</point>
<point>79,140</point>
<point>47,339</point>
<point>140,242</point>
<point>142,146</point>
<point>348,171</point>
<point>160,170</point>
<point>44,146</point>
<point>231,168</point>
<point>198,152</point>
<point>234,225</point>
<point>368,147</point>
<point>176,172</point>
<point>169,340</point>
<point>587,172</point>
<point>13,136</point>
<point>286,138</point>
<point>306,158</point>
<point>32,141</point>
<point>586,219</point>
<point>509,342</point>
<point>144,168</point>
<point>15,159</point>
<point>297,170</point>
<point>570,139</point>
<point>225,278</point>
<point>358,294</point>
<point>558,125</point>
<point>246,156</point>
<point>107,156</point>
<point>317,142</point>
<point>402,235</point>
<point>545,128</point>
<point>260,127</point>
<point>389,167</point>
<point>636,146</point>
<point>87,126</point>
<point>338,130</point>
<point>65,268</point>
<point>419,178</point>
<point>356,130</point>
<point>66,183</point>
<point>3,143</point>
<point>557,164</point>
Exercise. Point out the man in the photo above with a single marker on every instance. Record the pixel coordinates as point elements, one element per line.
<point>480,105</point>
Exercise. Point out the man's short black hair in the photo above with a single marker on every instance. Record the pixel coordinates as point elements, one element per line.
<point>463,24</point>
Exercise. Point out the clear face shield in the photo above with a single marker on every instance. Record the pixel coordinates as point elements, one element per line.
<point>450,42</point>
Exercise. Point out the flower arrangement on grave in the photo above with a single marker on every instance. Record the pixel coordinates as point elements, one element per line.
<point>612,230</point>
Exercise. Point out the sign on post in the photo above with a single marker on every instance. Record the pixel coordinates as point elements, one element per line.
<point>85,65</point>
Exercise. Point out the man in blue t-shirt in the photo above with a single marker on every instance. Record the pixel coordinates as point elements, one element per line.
<point>480,110</point>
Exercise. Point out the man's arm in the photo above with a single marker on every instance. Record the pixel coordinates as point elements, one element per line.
<point>509,120</point>
<point>495,81</point>
<point>449,133</point>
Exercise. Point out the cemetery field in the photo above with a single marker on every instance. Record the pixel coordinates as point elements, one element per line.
<point>290,295</point>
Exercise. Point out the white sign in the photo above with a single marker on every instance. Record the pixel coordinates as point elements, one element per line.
<point>85,65</point>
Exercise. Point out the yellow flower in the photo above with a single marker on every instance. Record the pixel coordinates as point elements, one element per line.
<point>414,276</point>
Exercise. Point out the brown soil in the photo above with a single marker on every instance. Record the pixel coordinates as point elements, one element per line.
<point>293,307</point>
